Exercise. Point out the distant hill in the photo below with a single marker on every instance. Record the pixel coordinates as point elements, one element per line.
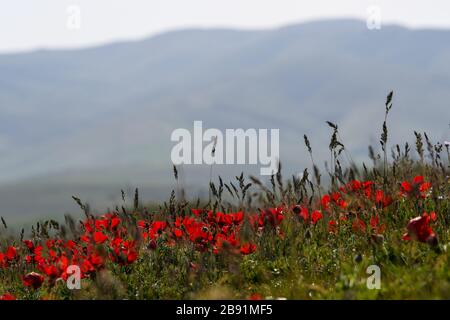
<point>105,114</point>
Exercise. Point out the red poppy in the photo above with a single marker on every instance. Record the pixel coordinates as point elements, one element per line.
<point>433,216</point>
<point>418,179</point>
<point>248,248</point>
<point>99,237</point>
<point>178,233</point>
<point>158,227</point>
<point>335,196</point>
<point>325,202</point>
<point>11,253</point>
<point>142,224</point>
<point>7,297</point>
<point>375,224</point>
<point>379,195</point>
<point>355,185</point>
<point>87,266</point>
<point>28,259</point>
<point>29,244</point>
<point>115,222</point>
<point>71,244</point>
<point>359,225</point>
<point>2,260</point>
<point>332,226</point>
<point>406,187</point>
<point>238,217</point>
<point>256,296</point>
<point>132,256</point>
<point>96,260</point>
<point>196,212</point>
<point>316,216</point>
<point>419,229</point>
<point>101,224</point>
<point>367,185</point>
<point>304,213</point>
<point>33,280</point>
<point>424,187</point>
<point>51,271</point>
<point>88,225</point>
<point>417,188</point>
<point>273,215</point>
<point>301,211</point>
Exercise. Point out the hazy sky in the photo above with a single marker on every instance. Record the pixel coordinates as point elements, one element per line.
<point>30,24</point>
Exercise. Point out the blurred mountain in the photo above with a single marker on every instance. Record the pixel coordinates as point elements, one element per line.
<point>92,121</point>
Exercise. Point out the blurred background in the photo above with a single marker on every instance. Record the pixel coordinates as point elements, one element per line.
<point>91,91</point>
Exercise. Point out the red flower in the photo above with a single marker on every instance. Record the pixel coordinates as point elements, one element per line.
<point>29,244</point>
<point>379,195</point>
<point>433,216</point>
<point>359,225</point>
<point>99,237</point>
<point>96,260</point>
<point>316,216</point>
<point>417,188</point>
<point>11,253</point>
<point>132,256</point>
<point>87,267</point>
<point>332,226</point>
<point>101,224</point>
<point>238,217</point>
<point>178,233</point>
<point>274,216</point>
<point>142,224</point>
<point>424,187</point>
<point>158,227</point>
<point>51,271</point>
<point>355,185</point>
<point>248,248</point>
<point>419,229</point>
<point>196,212</point>
<point>375,224</point>
<point>325,202</point>
<point>7,296</point>
<point>335,196</point>
<point>418,179</point>
<point>342,203</point>
<point>367,185</point>
<point>2,260</point>
<point>115,222</point>
<point>33,280</point>
<point>406,187</point>
<point>302,212</point>
<point>374,221</point>
<point>71,244</point>
<point>256,296</point>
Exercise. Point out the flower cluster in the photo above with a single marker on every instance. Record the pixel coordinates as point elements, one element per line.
<point>206,230</point>
<point>358,206</point>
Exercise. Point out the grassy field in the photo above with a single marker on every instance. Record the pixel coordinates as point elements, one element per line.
<point>295,238</point>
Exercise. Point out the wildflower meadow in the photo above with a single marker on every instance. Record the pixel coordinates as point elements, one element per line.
<point>377,230</point>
